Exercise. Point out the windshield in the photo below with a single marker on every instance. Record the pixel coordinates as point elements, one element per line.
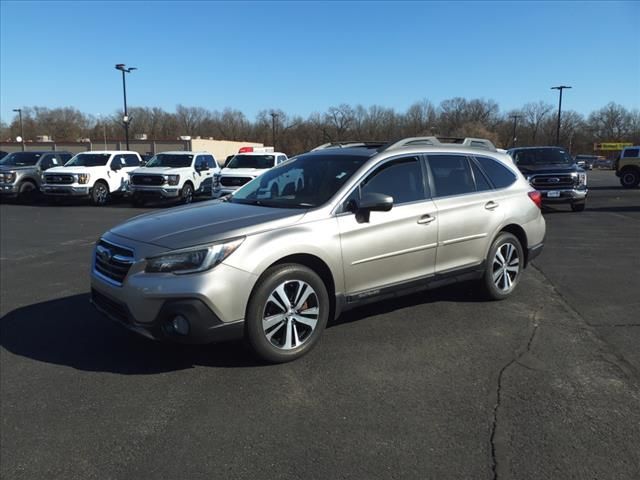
<point>542,156</point>
<point>21,159</point>
<point>306,182</point>
<point>88,160</point>
<point>252,161</point>
<point>170,160</point>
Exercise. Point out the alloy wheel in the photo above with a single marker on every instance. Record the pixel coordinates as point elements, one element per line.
<point>290,314</point>
<point>506,266</point>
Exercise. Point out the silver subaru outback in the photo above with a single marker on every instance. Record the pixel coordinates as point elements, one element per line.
<point>357,225</point>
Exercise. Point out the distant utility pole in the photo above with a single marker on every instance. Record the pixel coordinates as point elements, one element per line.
<point>19,110</point>
<point>274,115</point>
<point>515,121</point>
<point>559,88</point>
<point>125,118</point>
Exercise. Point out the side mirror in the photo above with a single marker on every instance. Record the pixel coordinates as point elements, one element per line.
<point>202,168</point>
<point>372,202</point>
<point>116,166</point>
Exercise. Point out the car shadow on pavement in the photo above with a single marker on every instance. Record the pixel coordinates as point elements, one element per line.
<point>68,331</point>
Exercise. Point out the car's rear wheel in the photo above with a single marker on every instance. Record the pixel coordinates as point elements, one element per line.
<point>504,266</point>
<point>630,178</point>
<point>100,193</point>
<point>287,313</point>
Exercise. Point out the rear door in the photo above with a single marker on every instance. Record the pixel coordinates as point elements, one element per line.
<point>469,211</point>
<point>393,247</point>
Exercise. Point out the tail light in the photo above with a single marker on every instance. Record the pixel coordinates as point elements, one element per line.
<point>536,197</point>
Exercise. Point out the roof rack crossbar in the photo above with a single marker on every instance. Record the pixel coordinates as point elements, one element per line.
<point>471,142</point>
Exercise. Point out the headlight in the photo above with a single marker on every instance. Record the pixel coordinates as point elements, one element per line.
<point>192,260</point>
<point>581,179</point>
<point>8,177</point>
<point>172,179</point>
<point>83,178</point>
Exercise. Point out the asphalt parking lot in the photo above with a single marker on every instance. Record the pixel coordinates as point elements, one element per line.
<point>436,385</point>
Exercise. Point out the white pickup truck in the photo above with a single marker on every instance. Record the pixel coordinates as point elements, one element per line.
<point>243,168</point>
<point>96,175</point>
<point>174,175</point>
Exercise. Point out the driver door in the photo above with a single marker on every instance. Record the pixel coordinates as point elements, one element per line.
<point>393,247</point>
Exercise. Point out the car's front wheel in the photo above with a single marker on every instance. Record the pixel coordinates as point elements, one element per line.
<point>504,266</point>
<point>100,193</point>
<point>187,193</point>
<point>287,313</point>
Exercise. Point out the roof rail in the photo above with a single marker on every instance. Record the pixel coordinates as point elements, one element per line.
<point>442,141</point>
<point>348,144</point>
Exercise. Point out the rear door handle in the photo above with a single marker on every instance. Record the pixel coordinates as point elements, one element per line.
<point>426,219</point>
<point>491,205</point>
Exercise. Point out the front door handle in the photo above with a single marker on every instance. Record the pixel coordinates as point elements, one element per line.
<point>426,219</point>
<point>491,205</point>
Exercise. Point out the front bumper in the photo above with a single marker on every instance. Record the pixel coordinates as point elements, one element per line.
<point>66,190</point>
<point>564,196</point>
<point>203,325</point>
<point>155,192</point>
<point>9,189</point>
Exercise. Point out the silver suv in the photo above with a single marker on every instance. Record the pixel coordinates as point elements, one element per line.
<point>366,223</point>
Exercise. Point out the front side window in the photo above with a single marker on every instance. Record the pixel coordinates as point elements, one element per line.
<point>400,179</point>
<point>252,161</point>
<point>308,181</point>
<point>500,176</point>
<point>211,162</point>
<point>88,160</point>
<point>131,160</point>
<point>21,159</point>
<point>170,160</point>
<point>451,175</point>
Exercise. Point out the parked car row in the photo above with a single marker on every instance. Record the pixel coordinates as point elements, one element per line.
<point>99,175</point>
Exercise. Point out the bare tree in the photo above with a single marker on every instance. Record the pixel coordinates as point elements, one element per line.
<point>534,114</point>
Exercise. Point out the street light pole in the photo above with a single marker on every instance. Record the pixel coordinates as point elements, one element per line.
<point>274,115</point>
<point>513,137</point>
<point>125,118</point>
<point>19,110</point>
<point>559,88</point>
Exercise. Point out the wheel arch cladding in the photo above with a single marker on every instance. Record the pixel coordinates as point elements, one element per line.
<point>520,234</point>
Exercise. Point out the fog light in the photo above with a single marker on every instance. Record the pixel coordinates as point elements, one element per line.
<point>180,325</point>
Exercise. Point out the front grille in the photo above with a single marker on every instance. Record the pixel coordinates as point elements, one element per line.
<point>54,179</point>
<point>551,182</point>
<point>154,180</point>
<point>111,307</point>
<point>113,261</point>
<point>234,181</point>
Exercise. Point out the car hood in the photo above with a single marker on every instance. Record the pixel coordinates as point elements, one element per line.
<point>204,223</point>
<point>549,168</point>
<point>242,172</point>
<point>67,170</point>
<point>7,168</point>
<point>161,170</point>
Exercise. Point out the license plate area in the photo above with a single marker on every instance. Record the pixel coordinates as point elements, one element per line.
<point>553,194</point>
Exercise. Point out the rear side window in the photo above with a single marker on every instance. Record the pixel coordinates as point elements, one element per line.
<point>631,153</point>
<point>482,184</point>
<point>500,176</point>
<point>451,175</point>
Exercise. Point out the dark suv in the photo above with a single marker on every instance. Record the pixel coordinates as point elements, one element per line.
<point>553,172</point>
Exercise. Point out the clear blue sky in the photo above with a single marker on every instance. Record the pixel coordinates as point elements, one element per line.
<point>306,57</point>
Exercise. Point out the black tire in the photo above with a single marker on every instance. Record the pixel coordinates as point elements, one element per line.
<point>186,195</point>
<point>578,207</point>
<point>629,178</point>
<point>494,283</point>
<point>100,194</point>
<point>288,338</point>
<point>28,192</point>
